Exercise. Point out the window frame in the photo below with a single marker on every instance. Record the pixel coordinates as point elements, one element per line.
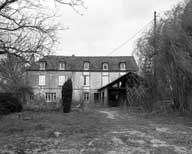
<point>40,80</point>
<point>50,97</point>
<point>122,68</point>
<point>86,80</point>
<point>62,64</point>
<point>59,80</point>
<point>86,96</point>
<point>31,97</point>
<point>88,66</point>
<point>103,66</point>
<point>42,64</point>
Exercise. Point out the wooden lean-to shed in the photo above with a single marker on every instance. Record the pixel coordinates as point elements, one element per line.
<point>115,93</point>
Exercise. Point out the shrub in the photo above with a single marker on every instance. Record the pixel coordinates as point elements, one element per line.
<point>9,103</point>
<point>67,96</point>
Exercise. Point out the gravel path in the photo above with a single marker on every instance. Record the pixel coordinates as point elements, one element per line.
<point>135,135</point>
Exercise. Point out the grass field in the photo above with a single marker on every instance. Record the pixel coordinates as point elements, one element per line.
<point>101,131</point>
<point>36,132</point>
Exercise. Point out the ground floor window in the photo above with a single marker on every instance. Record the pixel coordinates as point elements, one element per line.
<point>86,96</point>
<point>50,97</point>
<point>31,97</point>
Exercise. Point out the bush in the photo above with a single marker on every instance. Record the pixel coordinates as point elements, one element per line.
<point>9,104</point>
<point>67,90</point>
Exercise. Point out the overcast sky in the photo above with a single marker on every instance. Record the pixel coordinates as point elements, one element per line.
<point>105,25</point>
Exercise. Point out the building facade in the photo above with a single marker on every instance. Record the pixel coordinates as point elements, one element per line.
<point>88,74</point>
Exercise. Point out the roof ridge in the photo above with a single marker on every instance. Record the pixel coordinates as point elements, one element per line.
<point>84,56</point>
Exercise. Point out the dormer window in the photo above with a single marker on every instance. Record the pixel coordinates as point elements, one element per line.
<point>42,65</point>
<point>86,66</point>
<point>122,66</point>
<point>105,66</point>
<point>61,66</point>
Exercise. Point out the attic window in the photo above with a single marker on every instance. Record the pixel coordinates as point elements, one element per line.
<point>42,65</point>
<point>122,66</point>
<point>86,65</point>
<point>105,66</point>
<point>61,66</point>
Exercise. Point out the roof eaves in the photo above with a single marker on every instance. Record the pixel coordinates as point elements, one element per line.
<point>111,83</point>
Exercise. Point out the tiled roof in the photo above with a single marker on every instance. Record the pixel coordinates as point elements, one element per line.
<point>75,63</point>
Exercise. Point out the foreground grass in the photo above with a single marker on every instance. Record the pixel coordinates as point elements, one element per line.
<point>35,132</point>
<point>102,131</point>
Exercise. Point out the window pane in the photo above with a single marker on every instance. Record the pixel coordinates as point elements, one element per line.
<point>50,97</point>
<point>42,80</point>
<point>61,80</point>
<point>122,66</point>
<point>42,66</point>
<point>54,97</point>
<point>61,66</point>
<point>105,66</point>
<point>86,66</point>
<point>85,96</point>
<point>86,80</point>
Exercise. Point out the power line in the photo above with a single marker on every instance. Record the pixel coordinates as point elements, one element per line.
<point>129,39</point>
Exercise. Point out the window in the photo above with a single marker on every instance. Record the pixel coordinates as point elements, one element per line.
<point>50,97</point>
<point>61,66</point>
<point>61,80</point>
<point>31,97</point>
<point>105,80</point>
<point>122,66</point>
<point>105,66</point>
<point>42,80</point>
<point>86,96</point>
<point>86,66</point>
<point>85,80</point>
<point>42,65</point>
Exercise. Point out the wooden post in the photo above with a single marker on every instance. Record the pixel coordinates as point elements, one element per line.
<point>155,82</point>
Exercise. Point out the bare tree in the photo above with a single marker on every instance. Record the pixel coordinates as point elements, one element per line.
<point>12,78</point>
<point>173,60</point>
<point>26,30</point>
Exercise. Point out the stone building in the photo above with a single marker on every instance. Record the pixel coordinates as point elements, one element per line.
<point>88,74</point>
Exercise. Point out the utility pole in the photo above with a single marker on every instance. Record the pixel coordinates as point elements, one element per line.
<point>155,82</point>
<point>155,32</point>
<point>155,44</point>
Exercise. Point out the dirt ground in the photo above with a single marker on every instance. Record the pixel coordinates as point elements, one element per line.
<point>101,131</point>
